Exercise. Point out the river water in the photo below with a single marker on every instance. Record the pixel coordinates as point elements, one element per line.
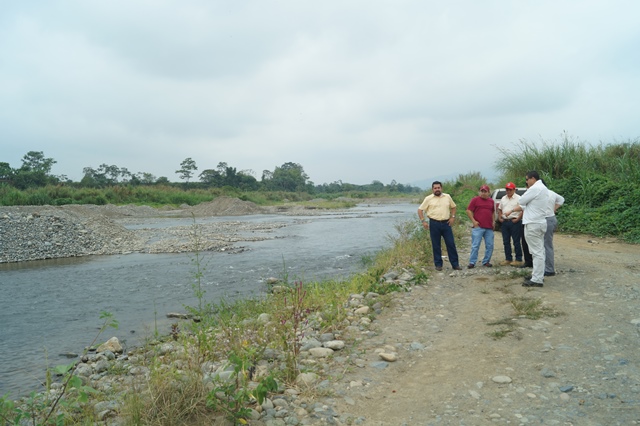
<point>48,308</point>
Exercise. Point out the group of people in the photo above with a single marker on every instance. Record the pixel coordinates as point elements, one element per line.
<point>528,221</point>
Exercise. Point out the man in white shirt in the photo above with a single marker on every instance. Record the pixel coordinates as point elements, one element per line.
<point>534,204</point>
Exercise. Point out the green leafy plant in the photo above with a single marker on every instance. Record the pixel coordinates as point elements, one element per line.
<point>233,397</point>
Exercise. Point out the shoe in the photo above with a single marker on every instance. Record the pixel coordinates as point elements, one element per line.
<point>529,283</point>
<point>438,268</point>
<point>528,277</point>
<point>549,274</point>
<point>457,268</point>
<point>526,265</point>
<point>506,263</point>
<point>471,266</point>
<point>516,263</point>
<point>488,265</point>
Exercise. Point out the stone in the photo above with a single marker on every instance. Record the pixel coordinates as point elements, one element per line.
<point>336,345</point>
<point>307,379</point>
<point>388,356</point>
<point>501,379</point>
<point>112,345</point>
<point>363,310</point>
<point>320,352</point>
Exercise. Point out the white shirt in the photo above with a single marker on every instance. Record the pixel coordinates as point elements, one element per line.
<point>534,203</point>
<point>554,198</point>
<point>507,203</point>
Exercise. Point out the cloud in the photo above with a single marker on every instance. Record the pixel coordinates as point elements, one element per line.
<point>355,91</point>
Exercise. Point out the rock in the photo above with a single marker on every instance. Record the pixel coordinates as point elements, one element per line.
<point>336,345</point>
<point>112,345</point>
<point>501,379</point>
<point>545,372</point>
<point>388,356</point>
<point>307,379</point>
<point>310,343</point>
<point>320,352</point>
<point>178,315</point>
<point>363,310</point>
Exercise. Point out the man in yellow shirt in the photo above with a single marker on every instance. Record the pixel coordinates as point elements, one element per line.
<point>437,213</point>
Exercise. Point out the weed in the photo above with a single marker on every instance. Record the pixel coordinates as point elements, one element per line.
<point>532,308</point>
<point>233,396</point>
<point>499,334</point>
<point>291,317</point>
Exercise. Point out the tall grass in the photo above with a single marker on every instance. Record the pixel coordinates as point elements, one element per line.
<point>600,183</point>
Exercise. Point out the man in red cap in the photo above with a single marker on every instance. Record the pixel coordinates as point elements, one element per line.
<point>511,226</point>
<point>481,210</point>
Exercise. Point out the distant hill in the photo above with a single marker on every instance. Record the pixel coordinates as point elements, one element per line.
<point>426,183</point>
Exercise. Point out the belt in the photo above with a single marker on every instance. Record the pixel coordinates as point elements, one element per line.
<point>441,221</point>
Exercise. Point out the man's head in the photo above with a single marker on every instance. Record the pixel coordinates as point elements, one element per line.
<point>511,189</point>
<point>532,177</point>
<point>484,191</point>
<point>436,188</point>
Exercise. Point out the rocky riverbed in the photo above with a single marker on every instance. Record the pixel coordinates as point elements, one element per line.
<point>48,232</point>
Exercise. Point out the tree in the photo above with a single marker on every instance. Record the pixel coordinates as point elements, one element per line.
<point>187,168</point>
<point>210,177</point>
<point>104,175</point>
<point>289,177</point>
<point>145,178</point>
<point>34,161</point>
<point>34,171</point>
<point>5,171</point>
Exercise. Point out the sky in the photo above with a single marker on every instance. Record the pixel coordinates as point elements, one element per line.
<point>351,90</point>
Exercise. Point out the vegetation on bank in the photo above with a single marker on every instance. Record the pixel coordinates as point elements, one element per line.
<point>35,172</point>
<point>159,196</point>
<point>600,184</point>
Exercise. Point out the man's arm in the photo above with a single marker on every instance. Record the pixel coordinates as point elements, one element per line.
<point>425,222</point>
<point>470,215</point>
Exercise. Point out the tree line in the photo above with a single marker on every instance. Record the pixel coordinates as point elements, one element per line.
<point>35,172</point>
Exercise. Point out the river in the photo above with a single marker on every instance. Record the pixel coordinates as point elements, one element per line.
<point>53,307</point>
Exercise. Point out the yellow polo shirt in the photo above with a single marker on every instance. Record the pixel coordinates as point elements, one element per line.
<point>437,208</point>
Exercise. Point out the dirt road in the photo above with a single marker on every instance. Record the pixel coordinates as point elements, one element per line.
<point>579,364</point>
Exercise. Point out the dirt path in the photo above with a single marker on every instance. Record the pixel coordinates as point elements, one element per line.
<point>579,368</point>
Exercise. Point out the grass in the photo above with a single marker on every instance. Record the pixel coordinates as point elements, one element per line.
<point>523,307</point>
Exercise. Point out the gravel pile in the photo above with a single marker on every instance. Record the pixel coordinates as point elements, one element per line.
<point>29,233</point>
<point>48,232</point>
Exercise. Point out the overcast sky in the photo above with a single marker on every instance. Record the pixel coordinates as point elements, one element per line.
<point>352,90</point>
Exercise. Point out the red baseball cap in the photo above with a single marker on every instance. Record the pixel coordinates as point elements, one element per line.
<point>484,188</point>
<point>510,185</point>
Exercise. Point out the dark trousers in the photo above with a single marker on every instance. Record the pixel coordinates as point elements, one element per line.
<point>528,259</point>
<point>512,232</point>
<point>438,231</point>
